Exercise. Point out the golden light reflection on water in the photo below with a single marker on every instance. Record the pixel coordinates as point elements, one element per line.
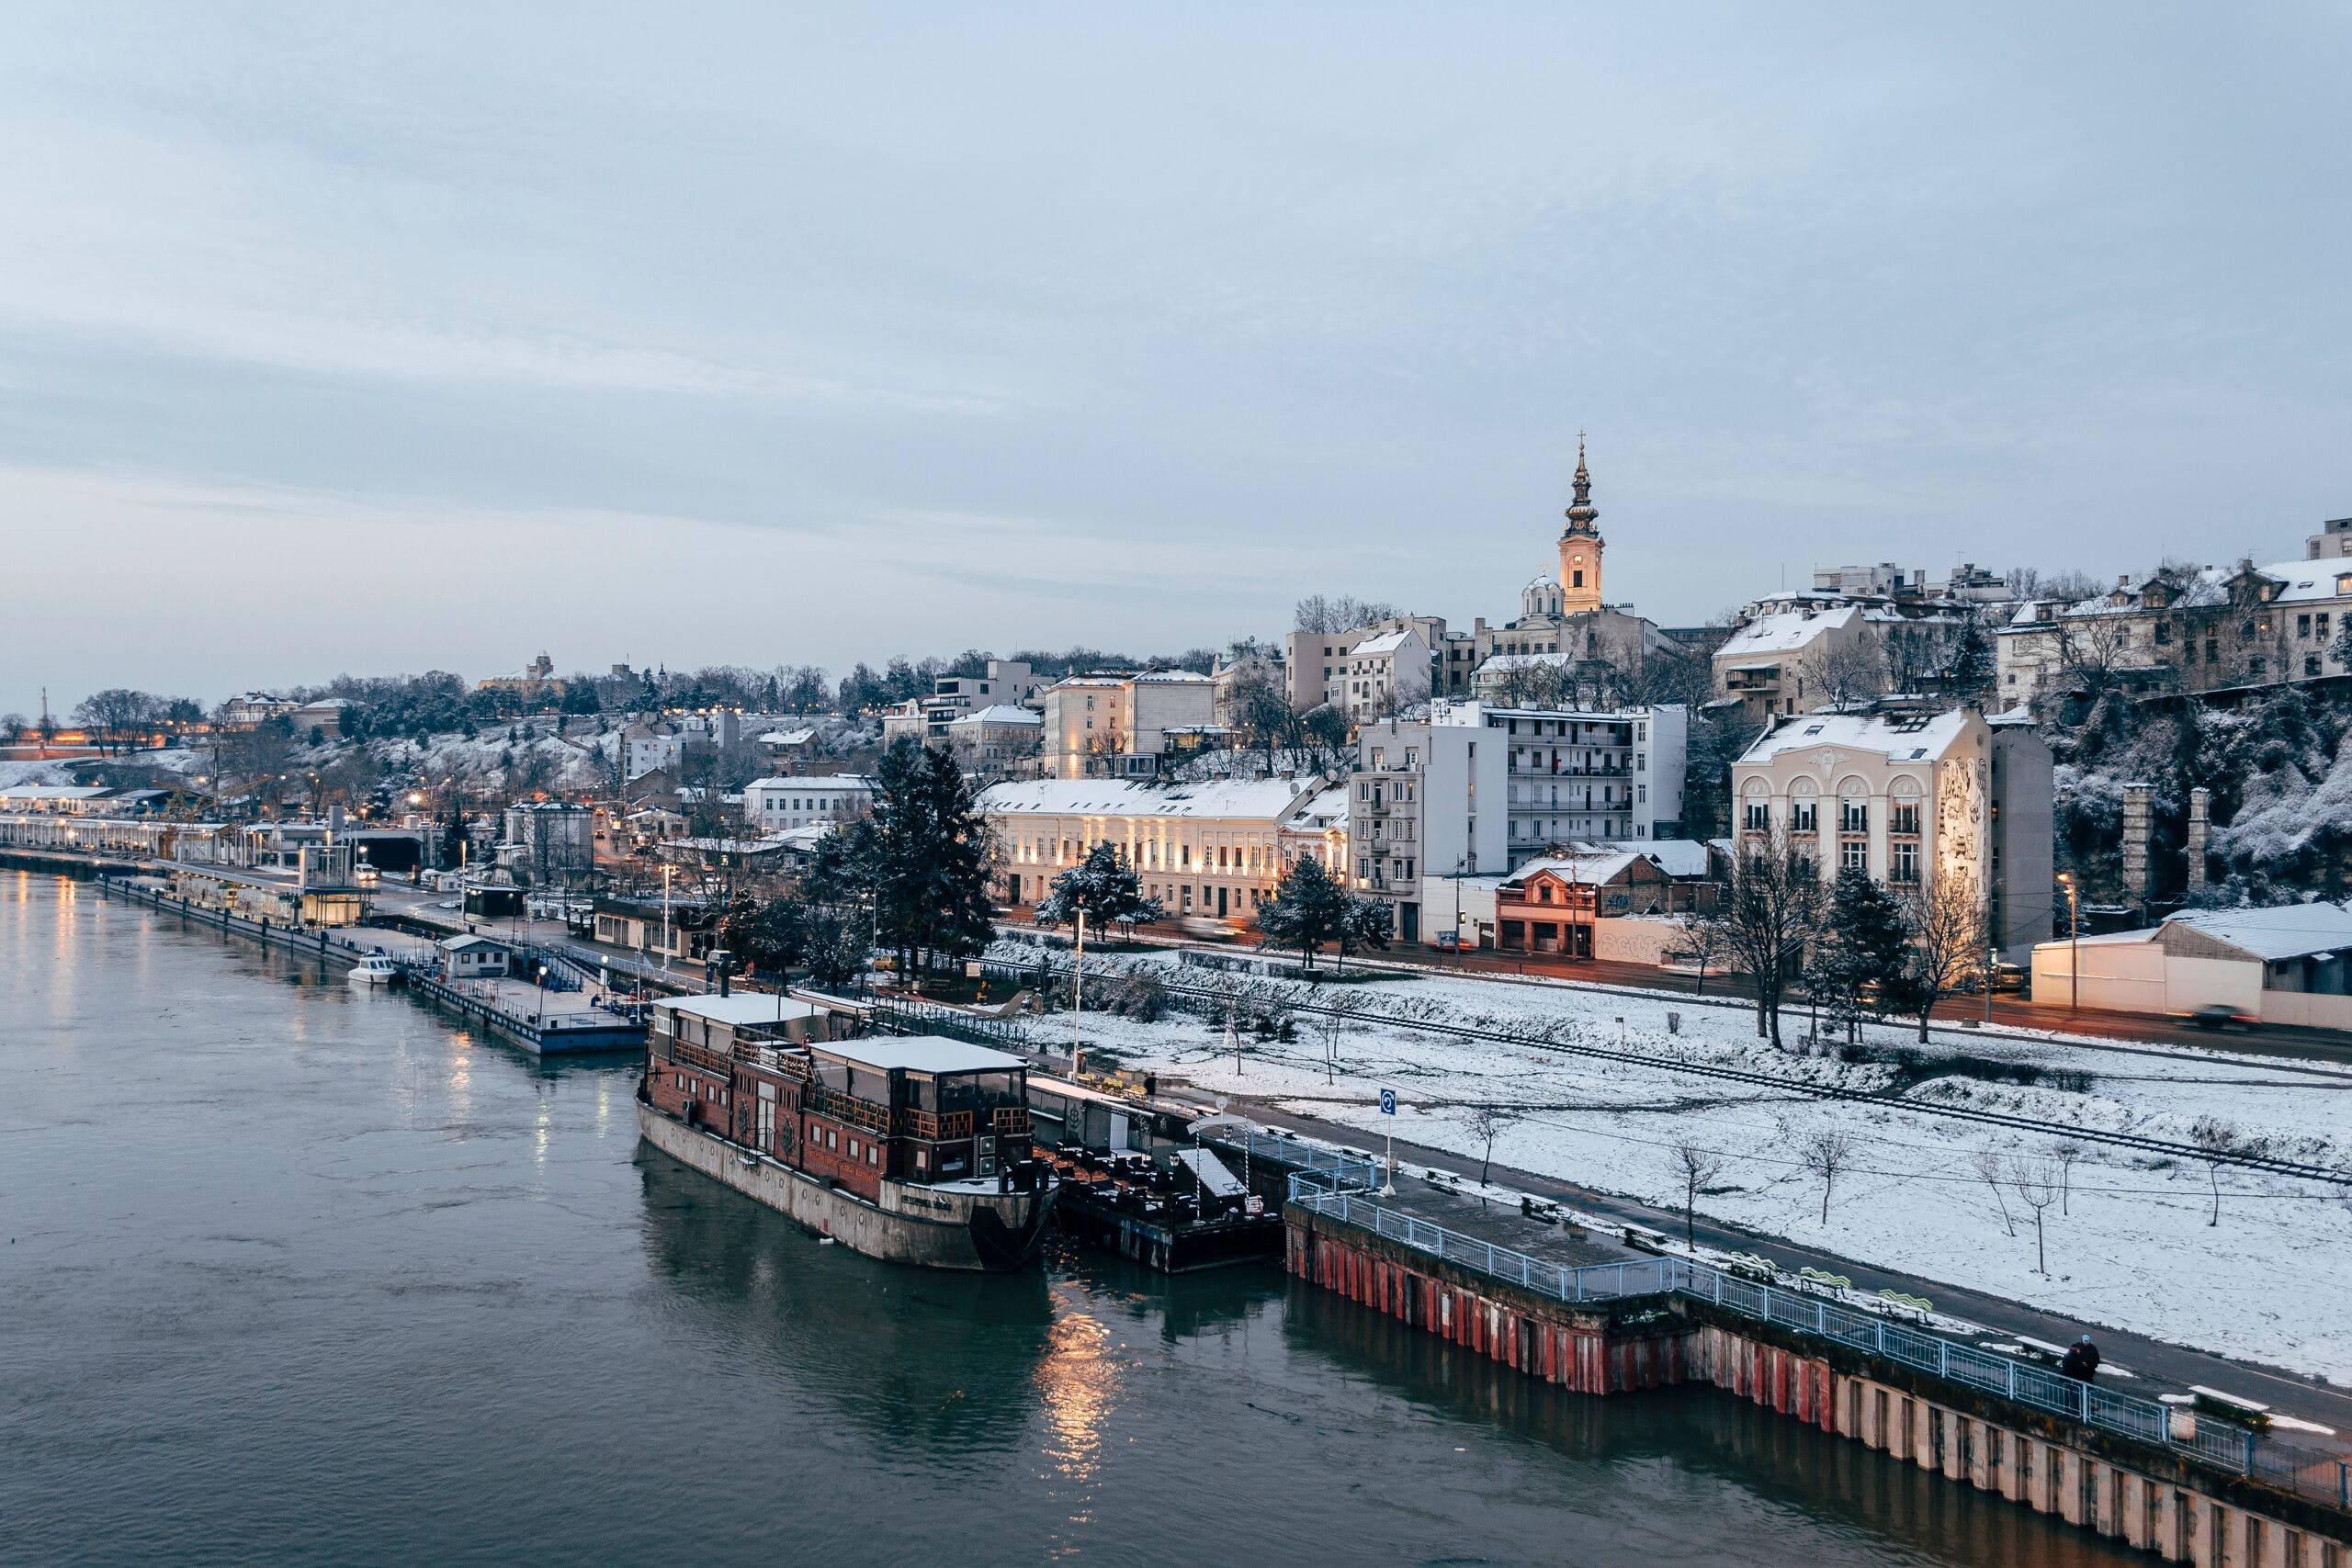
<point>461,1081</point>
<point>1079,1379</point>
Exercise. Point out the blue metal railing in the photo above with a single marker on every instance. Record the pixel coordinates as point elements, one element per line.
<point>2217,1443</point>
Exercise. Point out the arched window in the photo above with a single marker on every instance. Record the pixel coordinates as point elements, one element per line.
<point>1805,807</point>
<point>1903,799</point>
<point>1756,801</point>
<point>1853,806</point>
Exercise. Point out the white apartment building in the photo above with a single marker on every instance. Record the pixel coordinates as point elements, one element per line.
<point>1582,775</point>
<point>777,804</point>
<point>1214,849</point>
<point>1908,798</point>
<point>1383,673</point>
<point>1415,823</point>
<point>1123,725</point>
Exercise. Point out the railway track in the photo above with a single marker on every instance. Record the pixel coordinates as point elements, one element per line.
<point>2166,1147</point>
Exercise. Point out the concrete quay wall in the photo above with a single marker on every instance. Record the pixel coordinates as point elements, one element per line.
<point>2151,1498</point>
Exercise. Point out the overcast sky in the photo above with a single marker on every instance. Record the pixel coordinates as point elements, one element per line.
<point>409,338</point>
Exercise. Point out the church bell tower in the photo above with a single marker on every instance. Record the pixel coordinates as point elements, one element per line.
<point>1580,547</point>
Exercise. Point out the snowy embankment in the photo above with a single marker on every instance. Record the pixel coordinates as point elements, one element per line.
<point>2129,1238</point>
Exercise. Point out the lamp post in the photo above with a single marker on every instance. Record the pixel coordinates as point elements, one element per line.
<point>665,916</point>
<point>2073,937</point>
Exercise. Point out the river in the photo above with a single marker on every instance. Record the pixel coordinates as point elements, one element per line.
<point>299,1273</point>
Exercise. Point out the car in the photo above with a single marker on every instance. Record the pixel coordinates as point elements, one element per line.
<point>2218,1015</point>
<point>450,904</point>
<point>1448,942</point>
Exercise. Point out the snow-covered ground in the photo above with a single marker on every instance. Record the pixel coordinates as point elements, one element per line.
<point>2131,1248</point>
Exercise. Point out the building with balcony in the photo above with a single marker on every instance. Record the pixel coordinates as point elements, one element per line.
<point>1573,775</point>
<point>1909,799</point>
<point>1427,805</point>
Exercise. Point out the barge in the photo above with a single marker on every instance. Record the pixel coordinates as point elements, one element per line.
<point>909,1148</point>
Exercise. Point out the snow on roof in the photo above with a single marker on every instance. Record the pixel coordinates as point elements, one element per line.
<point>811,781</point>
<point>788,736</point>
<point>1000,712</point>
<point>1584,870</point>
<point>744,1007</point>
<point>1676,857</point>
<point>1329,809</point>
<point>1265,799</point>
<point>1386,642</point>
<point>458,943</point>
<point>1900,737</point>
<point>2280,931</point>
<point>1173,677</point>
<point>1783,631</point>
<point>1502,663</point>
<point>918,1053</point>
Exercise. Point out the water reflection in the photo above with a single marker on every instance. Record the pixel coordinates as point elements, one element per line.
<point>1770,1465</point>
<point>921,1362</point>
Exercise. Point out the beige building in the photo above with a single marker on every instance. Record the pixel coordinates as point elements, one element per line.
<point>1216,849</point>
<point>1317,662</point>
<point>1000,682</point>
<point>1126,725</point>
<point>2193,629</point>
<point>1909,799</point>
<point>998,742</point>
<point>1779,661</point>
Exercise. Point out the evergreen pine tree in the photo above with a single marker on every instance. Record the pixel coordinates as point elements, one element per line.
<point>1103,888</point>
<point>1864,943</point>
<point>1306,909</point>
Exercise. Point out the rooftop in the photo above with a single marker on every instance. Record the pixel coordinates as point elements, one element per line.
<point>2280,931</point>
<point>1000,713</point>
<point>744,1007</point>
<point>1265,799</point>
<point>1899,737</point>
<point>918,1054</point>
<point>1784,631</point>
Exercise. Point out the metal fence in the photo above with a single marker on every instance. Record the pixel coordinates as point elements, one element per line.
<point>2148,1421</point>
<point>918,1017</point>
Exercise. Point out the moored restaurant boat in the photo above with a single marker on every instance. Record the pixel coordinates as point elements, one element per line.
<point>911,1149</point>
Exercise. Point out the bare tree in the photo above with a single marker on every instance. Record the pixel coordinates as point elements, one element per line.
<point>2039,1184</point>
<point>1339,612</point>
<point>2066,1152</point>
<point>1705,939</point>
<point>2216,1140</point>
<point>1949,940</point>
<point>1986,1164</point>
<point>1486,1121</point>
<point>1825,1154</point>
<point>1697,1168</point>
<point>1766,918</point>
<point>1850,671</point>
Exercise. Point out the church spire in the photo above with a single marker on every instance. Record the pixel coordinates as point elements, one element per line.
<point>1580,546</point>
<point>1584,514</point>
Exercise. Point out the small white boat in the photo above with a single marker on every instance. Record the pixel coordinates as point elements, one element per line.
<point>376,969</point>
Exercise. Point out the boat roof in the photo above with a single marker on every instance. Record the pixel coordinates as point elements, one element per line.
<point>742,1007</point>
<point>918,1054</point>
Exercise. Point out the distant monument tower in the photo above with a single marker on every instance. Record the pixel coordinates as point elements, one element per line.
<point>1580,546</point>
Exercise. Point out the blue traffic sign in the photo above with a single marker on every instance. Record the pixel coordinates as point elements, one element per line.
<point>1388,1103</point>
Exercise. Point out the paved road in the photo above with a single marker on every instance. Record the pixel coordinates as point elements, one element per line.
<point>2159,1365</point>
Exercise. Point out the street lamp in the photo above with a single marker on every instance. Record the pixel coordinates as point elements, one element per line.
<point>2074,936</point>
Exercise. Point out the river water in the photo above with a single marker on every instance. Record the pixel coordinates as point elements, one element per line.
<point>298,1273</point>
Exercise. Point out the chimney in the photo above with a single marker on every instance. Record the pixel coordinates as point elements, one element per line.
<point>2135,844</point>
<point>2200,830</point>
